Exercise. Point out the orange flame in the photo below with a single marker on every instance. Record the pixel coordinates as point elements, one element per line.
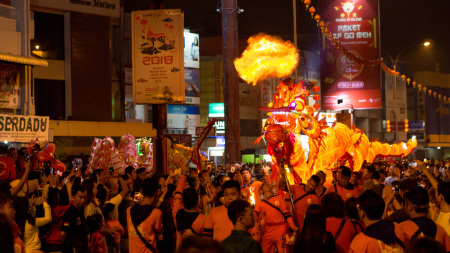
<point>266,56</point>
<point>252,197</point>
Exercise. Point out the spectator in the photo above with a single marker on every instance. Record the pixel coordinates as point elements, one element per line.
<point>314,237</point>
<point>197,244</point>
<point>379,235</point>
<point>73,232</point>
<point>6,235</point>
<point>7,209</point>
<point>368,177</point>
<point>240,213</point>
<point>31,234</point>
<point>97,242</point>
<point>7,167</point>
<point>425,245</point>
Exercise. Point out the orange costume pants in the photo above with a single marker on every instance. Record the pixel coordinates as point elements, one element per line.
<point>273,237</point>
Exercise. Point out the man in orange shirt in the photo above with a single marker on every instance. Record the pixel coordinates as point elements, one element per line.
<point>416,205</point>
<point>379,235</point>
<point>275,214</point>
<point>144,222</point>
<point>254,186</point>
<point>302,195</point>
<point>217,224</point>
<point>343,187</point>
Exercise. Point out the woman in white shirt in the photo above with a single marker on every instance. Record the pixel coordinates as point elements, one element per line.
<point>31,234</point>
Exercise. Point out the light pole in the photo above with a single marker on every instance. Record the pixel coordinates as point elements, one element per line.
<point>394,65</point>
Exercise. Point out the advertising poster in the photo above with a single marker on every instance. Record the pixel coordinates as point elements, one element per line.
<point>185,117</point>
<point>191,50</point>
<point>18,128</point>
<point>157,45</point>
<point>9,86</point>
<point>355,23</point>
<point>192,86</point>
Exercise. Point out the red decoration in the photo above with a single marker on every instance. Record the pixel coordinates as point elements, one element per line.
<point>403,77</point>
<point>316,106</point>
<point>316,88</point>
<point>143,21</point>
<point>408,80</point>
<point>307,3</point>
<point>316,97</point>
<point>317,18</point>
<point>312,10</point>
<point>275,134</point>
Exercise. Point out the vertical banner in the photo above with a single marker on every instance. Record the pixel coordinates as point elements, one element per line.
<point>9,86</point>
<point>157,45</point>
<point>355,24</point>
<point>191,50</point>
<point>192,86</point>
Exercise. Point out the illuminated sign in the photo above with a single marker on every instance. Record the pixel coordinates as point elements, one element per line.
<point>220,126</point>
<point>216,110</point>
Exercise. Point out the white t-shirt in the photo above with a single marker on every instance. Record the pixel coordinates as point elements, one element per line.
<point>444,220</point>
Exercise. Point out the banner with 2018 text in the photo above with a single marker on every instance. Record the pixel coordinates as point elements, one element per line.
<point>158,56</point>
<point>19,128</point>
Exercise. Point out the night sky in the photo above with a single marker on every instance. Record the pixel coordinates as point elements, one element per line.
<point>403,23</point>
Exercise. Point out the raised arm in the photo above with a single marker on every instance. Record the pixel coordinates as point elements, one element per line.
<point>24,178</point>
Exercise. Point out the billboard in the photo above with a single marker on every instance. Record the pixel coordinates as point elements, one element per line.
<point>192,86</point>
<point>157,43</point>
<point>185,117</point>
<point>109,8</point>
<point>19,128</point>
<point>9,86</point>
<point>355,23</point>
<point>191,50</point>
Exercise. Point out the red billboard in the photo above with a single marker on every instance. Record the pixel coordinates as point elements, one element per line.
<point>345,83</point>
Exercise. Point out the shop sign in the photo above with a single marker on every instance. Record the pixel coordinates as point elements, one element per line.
<point>109,8</point>
<point>185,139</point>
<point>216,110</point>
<point>157,50</point>
<point>18,128</point>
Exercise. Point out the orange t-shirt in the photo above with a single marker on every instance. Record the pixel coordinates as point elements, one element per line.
<point>364,243</point>
<point>302,200</point>
<point>410,228</point>
<point>345,193</point>
<point>345,237</point>
<point>149,229</point>
<point>217,224</point>
<point>197,226</point>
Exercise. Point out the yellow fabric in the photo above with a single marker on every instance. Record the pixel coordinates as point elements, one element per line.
<point>23,60</point>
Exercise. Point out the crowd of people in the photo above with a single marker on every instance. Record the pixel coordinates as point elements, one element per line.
<point>385,207</point>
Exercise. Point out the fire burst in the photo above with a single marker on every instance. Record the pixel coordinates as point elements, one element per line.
<point>266,56</point>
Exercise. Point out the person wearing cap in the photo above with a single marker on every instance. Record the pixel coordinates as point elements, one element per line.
<point>343,187</point>
<point>416,205</point>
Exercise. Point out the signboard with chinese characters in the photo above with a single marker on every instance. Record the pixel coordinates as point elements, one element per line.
<point>191,50</point>
<point>157,45</point>
<point>9,86</point>
<point>355,24</point>
<point>18,128</point>
<point>192,86</point>
<point>109,8</point>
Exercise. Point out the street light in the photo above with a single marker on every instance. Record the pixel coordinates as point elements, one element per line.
<point>394,64</point>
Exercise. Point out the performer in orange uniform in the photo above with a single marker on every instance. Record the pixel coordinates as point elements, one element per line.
<point>302,195</point>
<point>146,219</point>
<point>416,205</point>
<point>273,210</point>
<point>217,224</point>
<point>342,229</point>
<point>254,186</point>
<point>343,187</point>
<point>379,235</point>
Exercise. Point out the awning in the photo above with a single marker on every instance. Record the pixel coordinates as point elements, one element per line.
<point>23,60</point>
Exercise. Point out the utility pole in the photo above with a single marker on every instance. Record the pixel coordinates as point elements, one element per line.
<point>231,80</point>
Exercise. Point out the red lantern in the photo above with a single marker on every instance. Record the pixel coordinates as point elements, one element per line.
<point>317,18</point>
<point>429,92</point>
<point>408,80</point>
<point>440,96</point>
<point>425,89</point>
<point>388,130</point>
<point>316,106</point>
<point>325,30</point>
<point>403,77</point>
<point>435,94</point>
<point>316,88</point>
<point>321,24</point>
<point>316,97</point>
<point>312,10</point>
<point>307,3</point>
<point>419,86</point>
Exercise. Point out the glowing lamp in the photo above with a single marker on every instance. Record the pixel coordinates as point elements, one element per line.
<point>388,130</point>
<point>406,121</point>
<point>316,97</point>
<point>312,10</point>
<point>316,88</point>
<point>316,106</point>
<point>403,77</point>
<point>408,80</point>
<point>293,104</point>
<point>270,105</point>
